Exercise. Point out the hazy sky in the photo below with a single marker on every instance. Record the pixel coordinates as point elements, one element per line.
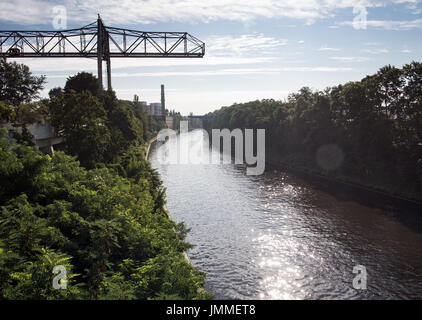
<point>254,49</point>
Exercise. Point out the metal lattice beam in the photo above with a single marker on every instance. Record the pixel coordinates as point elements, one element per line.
<point>99,41</point>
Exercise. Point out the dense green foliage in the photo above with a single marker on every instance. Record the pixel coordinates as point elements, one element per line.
<point>80,119</point>
<point>83,81</point>
<point>97,209</point>
<point>18,87</point>
<point>110,231</point>
<point>7,113</point>
<point>17,84</point>
<point>97,129</point>
<point>368,132</point>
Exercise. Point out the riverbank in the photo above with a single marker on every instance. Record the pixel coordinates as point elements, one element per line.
<point>166,210</point>
<point>148,146</point>
<point>369,194</point>
<point>383,195</point>
<point>347,133</point>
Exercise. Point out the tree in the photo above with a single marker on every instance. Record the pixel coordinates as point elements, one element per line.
<point>81,82</point>
<point>81,120</point>
<point>375,122</point>
<point>55,92</point>
<point>107,226</point>
<point>17,84</point>
<point>7,113</point>
<point>28,113</point>
<point>110,232</point>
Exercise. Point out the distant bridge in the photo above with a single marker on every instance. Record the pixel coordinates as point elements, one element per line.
<point>204,117</point>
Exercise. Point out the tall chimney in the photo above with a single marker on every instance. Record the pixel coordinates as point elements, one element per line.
<point>163,101</point>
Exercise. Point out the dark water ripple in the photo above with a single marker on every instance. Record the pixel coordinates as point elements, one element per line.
<point>275,236</point>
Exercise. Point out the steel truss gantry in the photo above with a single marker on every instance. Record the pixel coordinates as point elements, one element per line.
<point>98,41</point>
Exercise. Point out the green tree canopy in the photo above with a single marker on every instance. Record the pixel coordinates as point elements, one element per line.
<point>375,122</point>
<point>81,120</point>
<point>107,230</point>
<point>17,84</point>
<point>81,82</point>
<point>7,113</point>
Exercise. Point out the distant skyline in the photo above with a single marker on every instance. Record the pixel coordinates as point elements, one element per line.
<point>254,49</point>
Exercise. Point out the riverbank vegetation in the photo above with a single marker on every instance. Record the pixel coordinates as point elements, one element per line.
<point>95,206</point>
<point>367,132</point>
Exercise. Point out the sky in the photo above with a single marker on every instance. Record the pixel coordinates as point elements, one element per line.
<point>254,49</point>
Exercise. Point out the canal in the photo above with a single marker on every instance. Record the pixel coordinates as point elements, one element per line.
<point>276,236</point>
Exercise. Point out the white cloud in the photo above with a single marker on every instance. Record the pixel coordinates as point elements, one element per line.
<point>390,24</point>
<point>351,59</point>
<point>90,65</point>
<point>316,69</point>
<point>221,72</point>
<point>406,51</point>
<point>247,44</point>
<point>375,51</point>
<point>328,49</point>
<point>372,43</point>
<point>26,12</point>
<point>152,11</point>
<point>413,7</point>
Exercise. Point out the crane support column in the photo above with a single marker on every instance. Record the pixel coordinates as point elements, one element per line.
<point>100,54</point>
<point>108,73</point>
<point>107,59</point>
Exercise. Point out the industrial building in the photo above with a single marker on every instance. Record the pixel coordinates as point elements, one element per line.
<point>155,108</point>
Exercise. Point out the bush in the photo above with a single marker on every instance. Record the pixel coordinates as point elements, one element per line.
<point>115,240</point>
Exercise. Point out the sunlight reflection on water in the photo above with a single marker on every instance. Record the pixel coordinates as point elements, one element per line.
<point>276,237</point>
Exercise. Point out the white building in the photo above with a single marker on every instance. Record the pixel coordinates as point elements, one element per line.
<point>43,132</point>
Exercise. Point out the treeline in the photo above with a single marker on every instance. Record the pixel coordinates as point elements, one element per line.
<point>177,117</point>
<point>367,132</point>
<point>96,207</point>
<point>96,128</point>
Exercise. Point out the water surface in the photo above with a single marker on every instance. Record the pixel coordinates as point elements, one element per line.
<point>275,236</point>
